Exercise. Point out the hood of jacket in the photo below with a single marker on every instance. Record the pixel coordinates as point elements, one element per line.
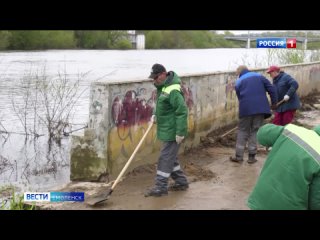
<point>268,134</point>
<point>172,78</point>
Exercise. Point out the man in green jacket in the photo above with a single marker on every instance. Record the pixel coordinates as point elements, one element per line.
<point>290,177</point>
<point>171,115</point>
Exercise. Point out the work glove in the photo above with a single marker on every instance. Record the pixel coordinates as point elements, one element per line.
<point>179,139</point>
<point>153,119</point>
<point>286,98</point>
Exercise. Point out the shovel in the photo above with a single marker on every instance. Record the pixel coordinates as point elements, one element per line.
<point>93,200</point>
<point>279,103</point>
<point>233,129</point>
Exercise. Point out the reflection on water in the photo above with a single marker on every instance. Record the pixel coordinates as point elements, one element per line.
<point>33,166</point>
<point>30,164</point>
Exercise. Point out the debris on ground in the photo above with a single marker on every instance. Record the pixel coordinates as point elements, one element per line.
<point>214,139</point>
<point>148,168</point>
<point>310,102</point>
<point>198,173</point>
<point>192,170</point>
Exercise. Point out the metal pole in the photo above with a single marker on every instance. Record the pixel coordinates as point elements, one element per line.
<point>306,41</point>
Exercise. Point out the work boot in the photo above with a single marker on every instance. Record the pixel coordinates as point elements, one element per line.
<point>236,159</point>
<point>156,192</point>
<point>178,187</point>
<point>252,158</point>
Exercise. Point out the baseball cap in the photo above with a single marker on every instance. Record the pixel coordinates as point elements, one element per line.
<point>156,69</point>
<point>273,68</point>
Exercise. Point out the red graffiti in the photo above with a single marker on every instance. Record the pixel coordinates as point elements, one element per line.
<point>230,87</point>
<point>131,110</point>
<point>188,97</point>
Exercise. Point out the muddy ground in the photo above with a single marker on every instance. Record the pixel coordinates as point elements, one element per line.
<point>215,182</point>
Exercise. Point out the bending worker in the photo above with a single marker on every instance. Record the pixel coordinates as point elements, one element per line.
<point>286,87</point>
<point>290,177</point>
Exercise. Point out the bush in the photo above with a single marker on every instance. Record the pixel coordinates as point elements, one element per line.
<point>153,39</point>
<point>99,39</point>
<point>4,39</point>
<point>32,40</point>
<point>290,56</point>
<point>16,203</point>
<point>123,44</point>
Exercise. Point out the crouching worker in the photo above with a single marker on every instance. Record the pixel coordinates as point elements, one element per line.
<point>290,177</point>
<point>171,116</point>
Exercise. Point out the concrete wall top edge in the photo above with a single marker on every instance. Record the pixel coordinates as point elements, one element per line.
<point>200,74</point>
<point>283,66</point>
<point>134,80</point>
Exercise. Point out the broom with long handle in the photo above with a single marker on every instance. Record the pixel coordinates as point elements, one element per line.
<point>105,196</point>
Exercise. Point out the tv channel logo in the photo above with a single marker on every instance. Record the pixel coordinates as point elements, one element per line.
<point>67,196</point>
<point>53,196</point>
<point>36,197</point>
<point>276,43</point>
<point>291,43</point>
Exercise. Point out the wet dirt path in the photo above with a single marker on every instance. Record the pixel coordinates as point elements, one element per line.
<point>216,183</point>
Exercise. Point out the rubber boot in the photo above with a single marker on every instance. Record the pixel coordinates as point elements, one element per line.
<point>252,158</point>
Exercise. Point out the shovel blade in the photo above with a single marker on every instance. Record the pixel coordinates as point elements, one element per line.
<point>98,198</point>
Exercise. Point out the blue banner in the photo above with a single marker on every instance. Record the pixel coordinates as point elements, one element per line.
<point>66,196</point>
<point>271,43</point>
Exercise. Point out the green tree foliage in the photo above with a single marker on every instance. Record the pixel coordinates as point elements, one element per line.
<point>153,39</point>
<point>40,40</point>
<point>4,39</point>
<point>123,44</point>
<point>101,39</point>
<point>32,40</point>
<point>199,39</point>
<point>220,42</point>
<point>186,39</point>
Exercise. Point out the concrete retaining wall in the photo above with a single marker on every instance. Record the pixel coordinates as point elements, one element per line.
<point>119,115</point>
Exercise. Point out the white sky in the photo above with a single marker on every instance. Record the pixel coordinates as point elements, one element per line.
<point>246,31</point>
<point>257,31</point>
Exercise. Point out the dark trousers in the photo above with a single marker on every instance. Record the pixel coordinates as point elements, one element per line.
<point>247,132</point>
<point>168,165</point>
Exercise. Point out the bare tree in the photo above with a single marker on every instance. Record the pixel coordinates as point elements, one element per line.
<point>47,101</point>
<point>57,97</point>
<point>21,106</point>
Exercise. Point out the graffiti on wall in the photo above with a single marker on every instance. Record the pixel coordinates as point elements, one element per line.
<point>230,91</point>
<point>314,74</point>
<point>132,108</point>
<point>130,113</point>
<point>123,140</point>
<point>188,96</point>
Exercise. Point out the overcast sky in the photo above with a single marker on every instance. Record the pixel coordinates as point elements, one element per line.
<point>246,31</point>
<point>254,31</point>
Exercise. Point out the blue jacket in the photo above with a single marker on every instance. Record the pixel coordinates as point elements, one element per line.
<point>286,85</point>
<point>251,91</point>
